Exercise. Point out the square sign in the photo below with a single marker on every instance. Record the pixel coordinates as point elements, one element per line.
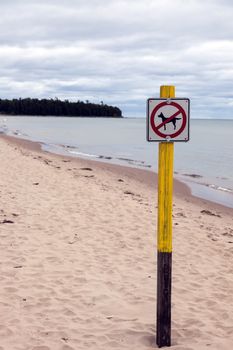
<point>168,119</point>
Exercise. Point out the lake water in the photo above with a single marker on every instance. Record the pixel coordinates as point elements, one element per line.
<point>205,163</point>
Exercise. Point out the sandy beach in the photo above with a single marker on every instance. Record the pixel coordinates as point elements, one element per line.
<point>78,257</point>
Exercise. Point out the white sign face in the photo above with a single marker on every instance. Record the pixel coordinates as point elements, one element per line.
<point>168,119</point>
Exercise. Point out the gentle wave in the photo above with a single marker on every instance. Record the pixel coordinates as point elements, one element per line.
<point>220,188</point>
<point>83,154</point>
<point>120,160</point>
<point>18,133</point>
<point>199,188</point>
<point>3,129</point>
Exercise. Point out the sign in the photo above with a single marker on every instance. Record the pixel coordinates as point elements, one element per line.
<point>168,119</point>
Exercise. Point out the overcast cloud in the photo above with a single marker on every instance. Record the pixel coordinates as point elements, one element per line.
<point>119,52</point>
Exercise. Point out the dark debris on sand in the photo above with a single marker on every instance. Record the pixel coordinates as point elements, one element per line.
<point>208,212</point>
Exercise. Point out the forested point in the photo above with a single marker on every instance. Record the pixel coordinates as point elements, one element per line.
<point>56,107</point>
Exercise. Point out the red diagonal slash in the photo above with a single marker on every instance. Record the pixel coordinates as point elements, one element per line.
<point>168,120</point>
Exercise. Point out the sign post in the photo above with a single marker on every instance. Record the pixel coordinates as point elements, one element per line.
<point>167,122</point>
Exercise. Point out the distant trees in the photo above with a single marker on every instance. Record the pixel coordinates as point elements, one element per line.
<point>56,107</point>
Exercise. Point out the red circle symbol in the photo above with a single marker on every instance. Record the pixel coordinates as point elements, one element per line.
<point>167,120</point>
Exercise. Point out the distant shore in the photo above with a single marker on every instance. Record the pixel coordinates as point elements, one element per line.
<point>60,116</point>
<point>55,107</point>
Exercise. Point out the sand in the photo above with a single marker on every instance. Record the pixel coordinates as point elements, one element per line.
<point>78,257</point>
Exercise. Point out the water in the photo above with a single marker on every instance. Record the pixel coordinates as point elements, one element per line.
<point>205,163</point>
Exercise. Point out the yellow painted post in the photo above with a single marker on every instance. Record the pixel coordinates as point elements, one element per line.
<point>164,234</point>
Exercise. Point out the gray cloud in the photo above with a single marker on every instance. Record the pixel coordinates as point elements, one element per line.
<point>119,51</point>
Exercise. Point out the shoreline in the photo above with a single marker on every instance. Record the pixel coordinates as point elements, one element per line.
<point>146,176</point>
<point>208,184</point>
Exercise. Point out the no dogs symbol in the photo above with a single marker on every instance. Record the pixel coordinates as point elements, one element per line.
<point>168,120</point>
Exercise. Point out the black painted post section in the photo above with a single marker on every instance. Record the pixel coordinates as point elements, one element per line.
<point>163,334</point>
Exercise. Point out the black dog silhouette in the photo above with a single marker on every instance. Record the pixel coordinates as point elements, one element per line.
<point>173,121</point>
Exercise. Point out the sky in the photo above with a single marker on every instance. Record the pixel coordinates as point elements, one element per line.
<point>119,52</point>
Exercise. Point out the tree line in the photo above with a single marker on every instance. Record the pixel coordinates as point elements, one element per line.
<point>56,107</point>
